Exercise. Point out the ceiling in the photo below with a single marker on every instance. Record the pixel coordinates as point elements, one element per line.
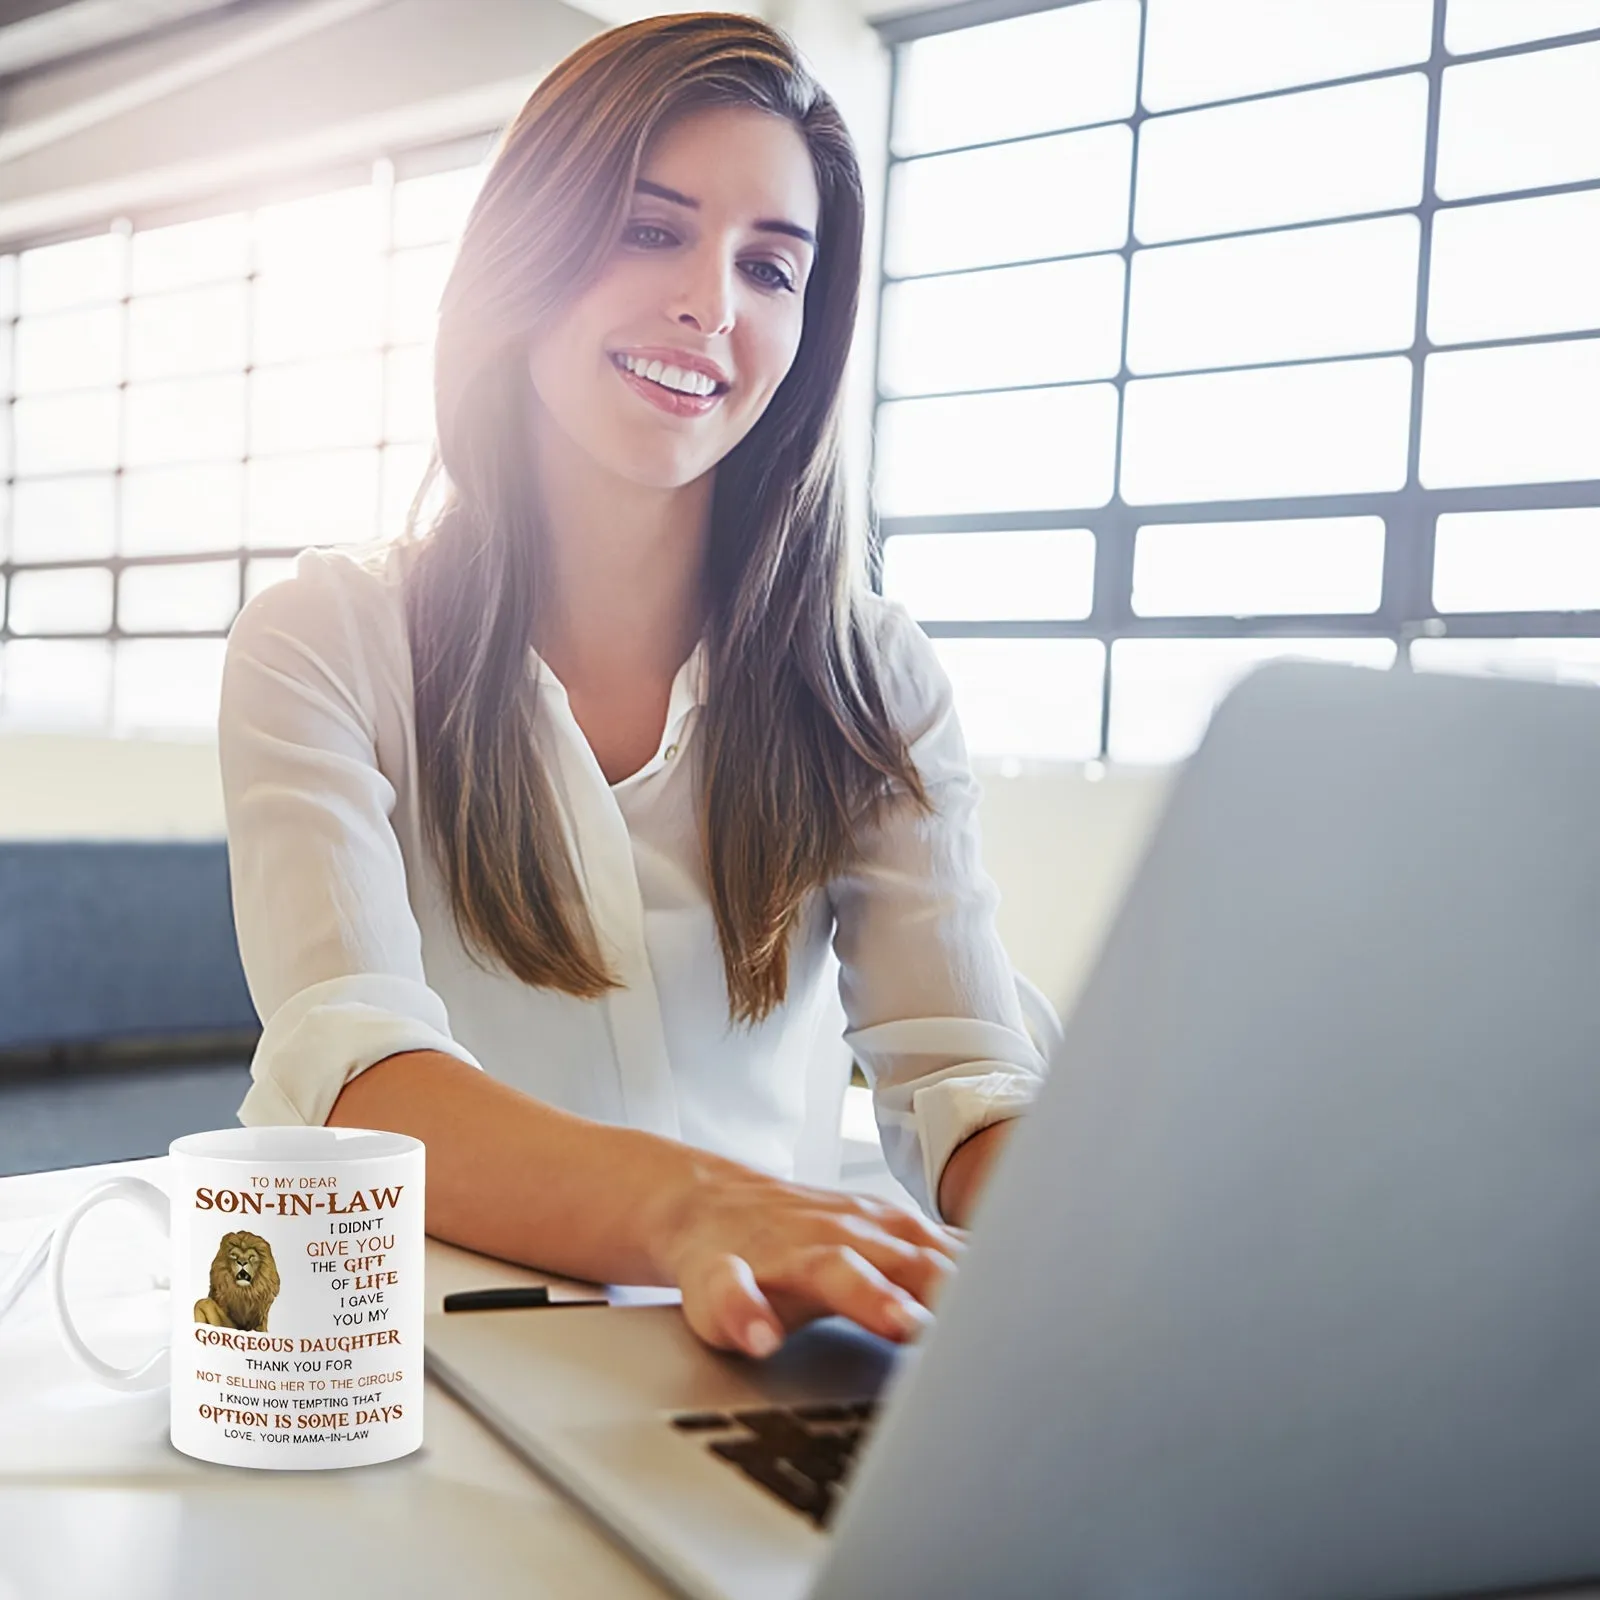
<point>36,34</point>
<point>20,10</point>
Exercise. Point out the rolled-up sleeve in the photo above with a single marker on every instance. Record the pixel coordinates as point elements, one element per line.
<point>950,1037</point>
<point>330,947</point>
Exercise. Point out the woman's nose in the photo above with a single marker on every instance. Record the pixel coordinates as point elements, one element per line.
<point>707,295</point>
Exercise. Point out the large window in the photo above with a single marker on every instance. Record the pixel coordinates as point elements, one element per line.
<point>1218,329</point>
<point>1209,330</point>
<point>184,405</point>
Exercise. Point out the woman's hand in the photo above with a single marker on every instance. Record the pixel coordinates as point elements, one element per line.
<point>756,1257</point>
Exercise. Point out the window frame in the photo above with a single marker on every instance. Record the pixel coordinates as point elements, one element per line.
<point>1405,611</point>
<point>383,171</point>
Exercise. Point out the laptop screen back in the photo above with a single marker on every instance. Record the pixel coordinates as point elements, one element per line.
<point>1289,1285</point>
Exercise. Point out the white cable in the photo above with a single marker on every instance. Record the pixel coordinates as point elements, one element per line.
<point>32,1263</point>
<point>27,1269</point>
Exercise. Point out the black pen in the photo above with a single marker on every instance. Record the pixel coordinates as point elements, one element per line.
<point>534,1294</point>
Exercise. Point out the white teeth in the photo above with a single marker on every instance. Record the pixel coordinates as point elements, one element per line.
<point>683,382</point>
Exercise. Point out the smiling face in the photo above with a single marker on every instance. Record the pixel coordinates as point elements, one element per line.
<point>703,277</point>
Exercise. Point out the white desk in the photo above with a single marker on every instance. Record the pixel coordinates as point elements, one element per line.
<point>95,1501</point>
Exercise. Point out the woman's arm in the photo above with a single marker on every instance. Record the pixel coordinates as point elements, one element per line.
<point>513,1177</point>
<point>509,1176</point>
<point>967,1171</point>
<point>934,1007</point>
<point>331,950</point>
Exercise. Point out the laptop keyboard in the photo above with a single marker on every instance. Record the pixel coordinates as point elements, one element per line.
<point>802,1453</point>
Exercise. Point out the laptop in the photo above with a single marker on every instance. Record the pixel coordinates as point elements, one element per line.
<point>1288,1285</point>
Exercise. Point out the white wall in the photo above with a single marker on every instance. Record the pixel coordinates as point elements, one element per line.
<point>58,786</point>
<point>1062,848</point>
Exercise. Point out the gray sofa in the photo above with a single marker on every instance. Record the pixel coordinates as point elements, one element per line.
<point>124,1015</point>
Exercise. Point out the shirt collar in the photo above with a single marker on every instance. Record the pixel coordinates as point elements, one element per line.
<point>688,685</point>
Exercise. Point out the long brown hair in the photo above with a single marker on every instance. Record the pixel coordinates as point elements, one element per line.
<point>798,750</point>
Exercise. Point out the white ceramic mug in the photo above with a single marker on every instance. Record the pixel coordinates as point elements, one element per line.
<point>297,1295</point>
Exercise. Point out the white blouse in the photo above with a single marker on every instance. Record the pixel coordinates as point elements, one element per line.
<point>351,952</point>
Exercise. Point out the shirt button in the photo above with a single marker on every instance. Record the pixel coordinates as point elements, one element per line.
<point>670,752</point>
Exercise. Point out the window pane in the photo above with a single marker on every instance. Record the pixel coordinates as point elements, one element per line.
<point>71,350</point>
<point>63,519</point>
<point>168,510</point>
<point>993,575</point>
<point>1519,415</point>
<point>66,432</point>
<point>190,419</point>
<point>1550,660</point>
<point>1520,122</point>
<point>80,272</point>
<point>1336,428</point>
<point>316,405</point>
<point>321,310</point>
<point>1518,267</point>
<point>1198,50</point>
<point>408,393</point>
<point>1163,691</point>
<point>77,600</point>
<point>192,598</point>
<point>172,335</point>
<point>1326,291</point>
<point>57,683</point>
<point>265,571</point>
<point>1252,569</point>
<point>326,497</point>
<point>1471,25</point>
<point>1028,74</point>
<point>416,281</point>
<point>1323,153</point>
<point>323,232</point>
<point>1518,560</point>
<point>1024,451</point>
<point>401,477</point>
<point>949,212</point>
<point>435,207</point>
<point>1029,698</point>
<point>1049,323</point>
<point>189,253</point>
<point>167,685</point>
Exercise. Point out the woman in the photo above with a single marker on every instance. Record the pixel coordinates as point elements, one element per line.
<point>541,823</point>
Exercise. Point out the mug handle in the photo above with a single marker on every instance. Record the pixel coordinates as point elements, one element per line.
<point>154,1201</point>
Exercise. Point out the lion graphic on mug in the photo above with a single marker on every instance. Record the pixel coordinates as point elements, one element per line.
<point>244,1283</point>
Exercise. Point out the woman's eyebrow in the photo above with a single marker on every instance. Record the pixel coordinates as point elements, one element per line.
<point>764,225</point>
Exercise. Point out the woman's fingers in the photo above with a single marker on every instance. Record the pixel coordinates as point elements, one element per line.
<point>849,1284</point>
<point>730,1310</point>
<point>920,1269</point>
<point>911,1226</point>
<point>836,1279</point>
<point>758,1260</point>
<point>725,1306</point>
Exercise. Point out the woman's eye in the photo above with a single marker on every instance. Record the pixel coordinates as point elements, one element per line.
<point>781,280</point>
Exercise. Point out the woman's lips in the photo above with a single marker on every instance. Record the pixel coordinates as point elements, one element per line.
<point>674,404</point>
